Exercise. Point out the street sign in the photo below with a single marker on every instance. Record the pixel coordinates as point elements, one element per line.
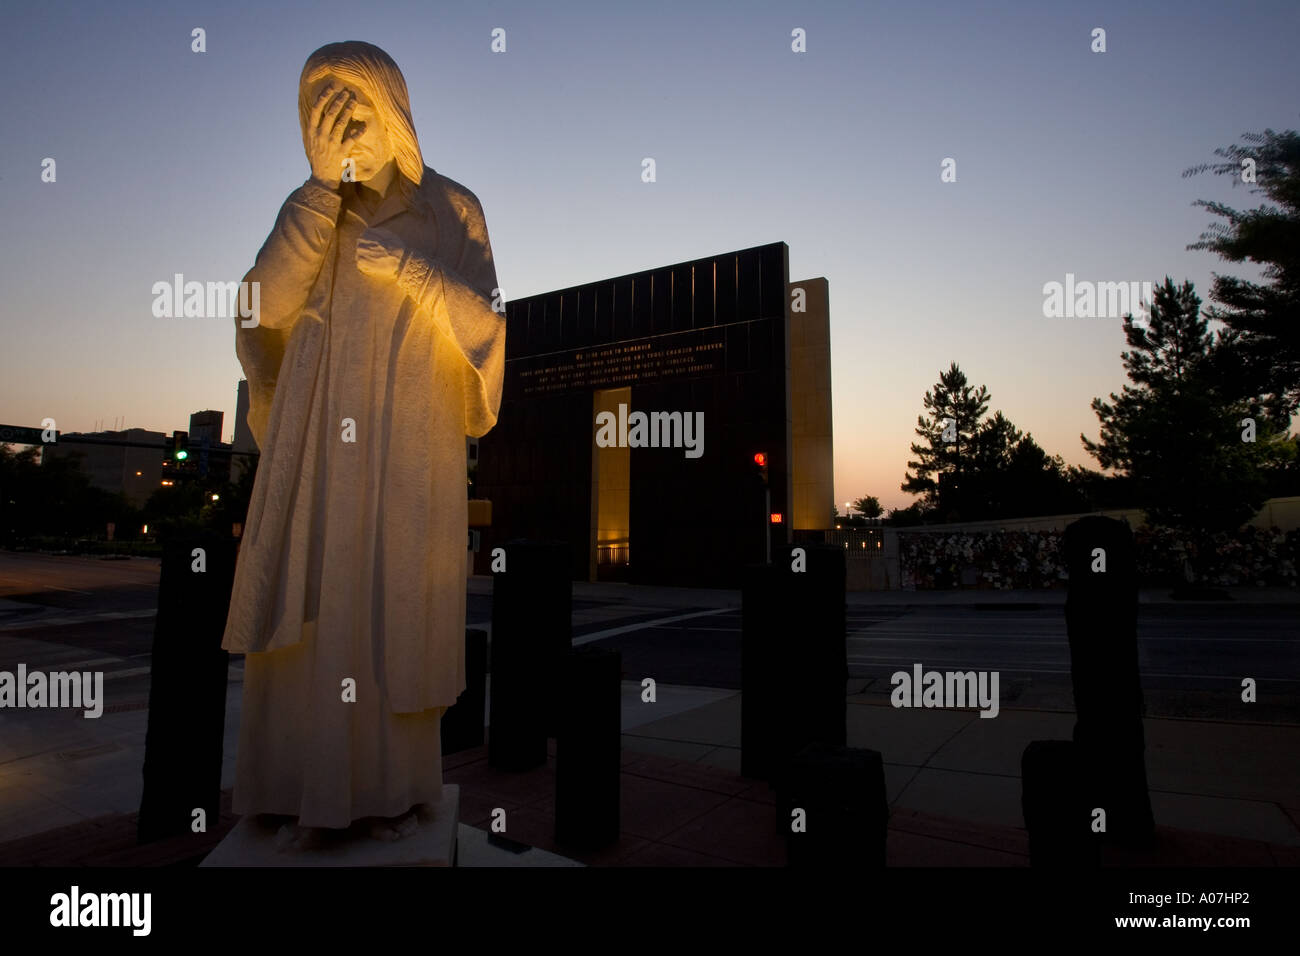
<point>21,435</point>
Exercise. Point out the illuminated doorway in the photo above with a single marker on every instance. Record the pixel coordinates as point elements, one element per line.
<point>611,484</point>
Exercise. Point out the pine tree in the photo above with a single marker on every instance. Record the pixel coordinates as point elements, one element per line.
<point>1260,352</point>
<point>949,431</point>
<point>1177,431</point>
<point>973,467</point>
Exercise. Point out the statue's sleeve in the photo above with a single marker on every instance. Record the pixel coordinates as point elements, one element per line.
<point>459,295</point>
<point>285,271</point>
<point>291,257</point>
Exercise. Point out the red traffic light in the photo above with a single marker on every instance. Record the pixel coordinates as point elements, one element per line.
<point>760,459</point>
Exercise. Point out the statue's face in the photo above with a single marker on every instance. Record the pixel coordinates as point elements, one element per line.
<point>368,144</point>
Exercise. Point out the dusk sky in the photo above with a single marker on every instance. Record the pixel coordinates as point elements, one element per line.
<point>1067,161</point>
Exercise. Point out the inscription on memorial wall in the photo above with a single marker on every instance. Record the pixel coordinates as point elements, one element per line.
<point>655,359</point>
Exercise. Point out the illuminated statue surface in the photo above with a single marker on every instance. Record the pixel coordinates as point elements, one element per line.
<point>377,351</point>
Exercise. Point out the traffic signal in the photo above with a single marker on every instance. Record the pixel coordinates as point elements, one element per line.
<point>180,445</point>
<point>760,466</point>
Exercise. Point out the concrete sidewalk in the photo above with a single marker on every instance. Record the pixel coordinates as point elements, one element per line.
<point>1227,779</point>
<point>1223,794</point>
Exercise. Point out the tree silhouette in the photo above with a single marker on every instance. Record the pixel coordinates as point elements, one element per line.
<point>1177,431</point>
<point>973,467</point>
<point>948,432</point>
<point>868,506</point>
<point>1260,353</point>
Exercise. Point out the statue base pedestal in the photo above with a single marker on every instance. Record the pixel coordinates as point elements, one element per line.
<point>434,844</point>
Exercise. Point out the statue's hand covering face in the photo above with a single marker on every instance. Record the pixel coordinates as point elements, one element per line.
<point>378,351</point>
<point>367,96</point>
<point>344,134</point>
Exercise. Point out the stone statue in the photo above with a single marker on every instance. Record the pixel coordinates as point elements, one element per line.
<point>377,349</point>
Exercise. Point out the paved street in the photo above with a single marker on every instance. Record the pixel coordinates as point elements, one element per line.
<point>78,613</point>
<point>61,612</point>
<point>1193,659</point>
<point>1217,765</point>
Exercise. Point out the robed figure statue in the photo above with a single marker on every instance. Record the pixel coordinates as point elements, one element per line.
<point>379,345</point>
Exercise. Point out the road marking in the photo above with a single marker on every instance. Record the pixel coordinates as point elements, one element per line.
<point>1025,666</point>
<point>628,628</point>
<point>81,665</point>
<point>1017,669</point>
<point>907,639</point>
<point>129,672</point>
<point>693,629</point>
<point>877,636</point>
<point>28,624</point>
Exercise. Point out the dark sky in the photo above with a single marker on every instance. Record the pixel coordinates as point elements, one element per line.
<point>1068,161</point>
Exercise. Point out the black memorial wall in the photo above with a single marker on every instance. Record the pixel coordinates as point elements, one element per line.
<point>711,336</point>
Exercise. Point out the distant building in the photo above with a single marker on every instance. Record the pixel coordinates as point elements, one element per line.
<point>209,456</point>
<point>244,445</point>
<point>127,462</point>
<point>206,426</point>
<point>243,436</point>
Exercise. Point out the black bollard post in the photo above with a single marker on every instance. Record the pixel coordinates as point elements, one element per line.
<point>760,645</point>
<point>794,658</point>
<point>833,807</point>
<point>187,690</point>
<point>587,749</point>
<point>1054,798</point>
<point>819,635</point>
<point>462,724</point>
<point>532,603</point>
<point>1101,620</point>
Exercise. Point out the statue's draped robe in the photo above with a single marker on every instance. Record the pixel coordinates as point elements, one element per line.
<point>352,567</point>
